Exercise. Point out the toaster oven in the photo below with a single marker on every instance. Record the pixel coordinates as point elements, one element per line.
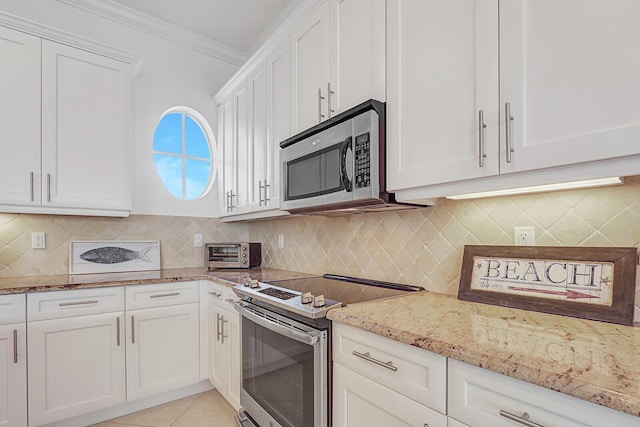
<point>232,255</point>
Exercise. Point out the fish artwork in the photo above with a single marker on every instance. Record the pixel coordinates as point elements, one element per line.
<point>114,255</point>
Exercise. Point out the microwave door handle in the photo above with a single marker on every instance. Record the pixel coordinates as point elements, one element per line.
<point>275,327</point>
<point>346,144</point>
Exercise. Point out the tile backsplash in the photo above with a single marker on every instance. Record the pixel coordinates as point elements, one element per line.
<point>421,246</point>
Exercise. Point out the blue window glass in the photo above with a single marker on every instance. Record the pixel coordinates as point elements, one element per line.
<point>182,155</point>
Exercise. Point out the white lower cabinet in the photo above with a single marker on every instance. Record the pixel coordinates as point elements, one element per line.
<point>13,362</point>
<point>452,422</point>
<point>358,401</point>
<point>76,366</point>
<point>163,340</point>
<point>224,345</point>
<point>482,398</point>
<point>378,381</point>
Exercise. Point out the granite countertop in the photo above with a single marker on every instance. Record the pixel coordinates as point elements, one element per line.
<point>594,361</point>
<point>26,284</point>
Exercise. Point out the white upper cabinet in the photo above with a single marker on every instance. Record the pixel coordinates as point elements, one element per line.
<point>568,79</point>
<point>358,52</point>
<point>66,128</point>
<point>442,73</point>
<point>569,70</point>
<point>20,123</point>
<point>338,60</point>
<point>86,148</point>
<point>310,69</point>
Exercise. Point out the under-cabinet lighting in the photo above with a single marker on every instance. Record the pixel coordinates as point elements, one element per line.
<point>616,180</point>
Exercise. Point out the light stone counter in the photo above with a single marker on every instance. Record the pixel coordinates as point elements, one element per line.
<point>26,284</point>
<point>594,361</point>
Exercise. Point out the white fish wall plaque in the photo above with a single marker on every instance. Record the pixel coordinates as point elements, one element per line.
<point>113,256</point>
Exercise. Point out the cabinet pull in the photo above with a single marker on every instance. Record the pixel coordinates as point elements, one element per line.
<point>329,93</point>
<point>320,98</point>
<point>67,304</point>
<point>222,335</point>
<point>215,294</point>
<point>481,127</point>
<point>218,326</point>
<point>508,118</point>
<point>118,331</point>
<point>48,188</point>
<point>266,196</point>
<point>15,346</point>
<point>31,195</point>
<point>172,294</point>
<point>228,204</point>
<point>231,300</point>
<point>260,187</point>
<point>367,356</point>
<point>522,419</point>
<point>133,332</point>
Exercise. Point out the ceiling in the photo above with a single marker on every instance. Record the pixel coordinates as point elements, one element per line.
<point>239,24</point>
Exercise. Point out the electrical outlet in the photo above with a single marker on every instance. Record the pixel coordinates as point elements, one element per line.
<point>280,240</point>
<point>523,236</point>
<point>38,240</point>
<point>197,240</point>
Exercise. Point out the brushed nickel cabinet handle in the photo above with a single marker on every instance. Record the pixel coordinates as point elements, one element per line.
<point>215,294</point>
<point>367,356</point>
<point>266,196</point>
<point>48,188</point>
<point>118,331</point>
<point>133,332</point>
<point>31,195</point>
<point>222,335</point>
<point>67,304</point>
<point>260,187</point>
<point>481,127</point>
<point>15,346</point>
<point>320,98</point>
<point>522,419</point>
<point>172,294</point>
<point>508,118</point>
<point>329,93</point>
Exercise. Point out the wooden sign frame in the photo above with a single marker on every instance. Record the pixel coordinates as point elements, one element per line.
<point>599,282</point>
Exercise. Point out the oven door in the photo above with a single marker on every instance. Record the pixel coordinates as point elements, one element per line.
<point>284,370</point>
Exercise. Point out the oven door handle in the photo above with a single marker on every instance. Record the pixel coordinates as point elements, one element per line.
<point>276,327</point>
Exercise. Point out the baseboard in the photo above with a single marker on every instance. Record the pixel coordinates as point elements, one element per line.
<point>130,407</point>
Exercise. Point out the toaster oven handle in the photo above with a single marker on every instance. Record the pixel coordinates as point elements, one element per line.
<point>276,327</point>
<point>346,144</point>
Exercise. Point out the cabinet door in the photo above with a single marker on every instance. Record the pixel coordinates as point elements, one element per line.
<point>241,109</point>
<point>258,143</point>
<point>358,53</point>
<point>162,349</point>
<point>358,401</point>
<point>76,366</point>
<point>224,351</point>
<point>279,115</point>
<point>310,69</point>
<point>441,72</point>
<point>86,130</point>
<point>13,375</point>
<point>569,70</point>
<point>19,118</point>
<point>226,154</point>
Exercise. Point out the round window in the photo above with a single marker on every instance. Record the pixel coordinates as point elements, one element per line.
<point>182,153</point>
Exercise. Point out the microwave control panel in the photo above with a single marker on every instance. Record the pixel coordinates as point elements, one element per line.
<point>362,153</point>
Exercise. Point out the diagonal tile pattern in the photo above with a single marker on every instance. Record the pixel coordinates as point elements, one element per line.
<point>421,246</point>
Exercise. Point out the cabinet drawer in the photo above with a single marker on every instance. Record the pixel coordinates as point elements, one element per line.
<point>222,296</point>
<point>80,302</point>
<point>12,309</point>
<point>477,397</point>
<point>413,372</point>
<point>161,294</point>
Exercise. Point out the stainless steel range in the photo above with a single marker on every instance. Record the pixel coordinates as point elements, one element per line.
<point>286,346</point>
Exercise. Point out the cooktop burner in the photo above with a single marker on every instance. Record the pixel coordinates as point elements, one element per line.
<point>313,297</point>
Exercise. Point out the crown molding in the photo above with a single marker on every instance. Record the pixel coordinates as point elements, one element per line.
<point>59,36</point>
<point>156,27</point>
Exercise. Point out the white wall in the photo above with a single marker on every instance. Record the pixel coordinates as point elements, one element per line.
<point>170,75</point>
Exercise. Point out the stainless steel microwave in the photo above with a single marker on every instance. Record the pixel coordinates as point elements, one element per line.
<point>232,255</point>
<point>338,165</point>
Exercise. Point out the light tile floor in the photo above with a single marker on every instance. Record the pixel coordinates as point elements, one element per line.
<point>202,410</point>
